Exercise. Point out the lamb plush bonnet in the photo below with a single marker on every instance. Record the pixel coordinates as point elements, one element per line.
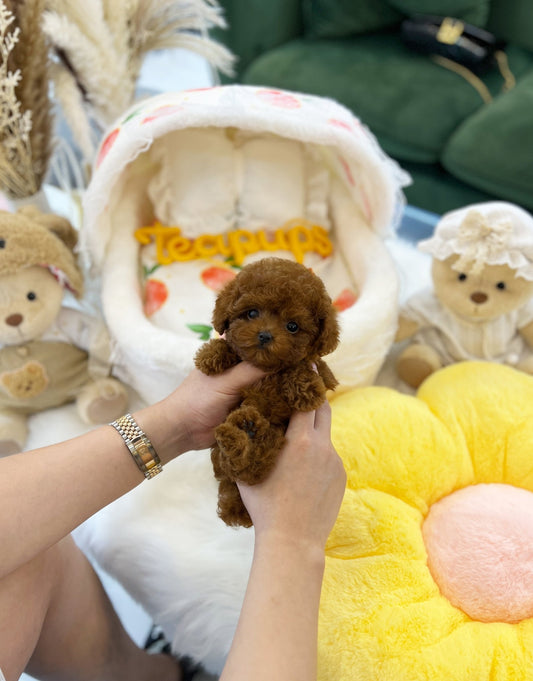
<point>492,233</point>
<point>29,238</point>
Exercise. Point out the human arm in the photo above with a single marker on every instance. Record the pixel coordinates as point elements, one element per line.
<point>45,493</point>
<point>293,511</point>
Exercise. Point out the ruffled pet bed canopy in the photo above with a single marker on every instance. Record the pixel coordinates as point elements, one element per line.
<point>188,187</point>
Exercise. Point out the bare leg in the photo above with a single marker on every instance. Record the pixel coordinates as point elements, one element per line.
<point>57,623</point>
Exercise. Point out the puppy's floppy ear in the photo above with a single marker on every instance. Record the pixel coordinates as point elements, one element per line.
<point>328,337</point>
<point>224,306</point>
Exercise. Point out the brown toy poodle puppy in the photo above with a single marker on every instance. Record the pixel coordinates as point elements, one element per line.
<point>277,315</point>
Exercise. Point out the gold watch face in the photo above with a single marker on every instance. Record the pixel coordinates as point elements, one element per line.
<point>143,451</point>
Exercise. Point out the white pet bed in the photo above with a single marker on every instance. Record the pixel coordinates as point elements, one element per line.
<point>210,162</point>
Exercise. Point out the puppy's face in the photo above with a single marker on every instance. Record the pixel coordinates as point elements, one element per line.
<point>276,316</point>
<point>269,336</point>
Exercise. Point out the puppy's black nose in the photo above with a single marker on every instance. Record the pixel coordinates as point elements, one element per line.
<point>264,337</point>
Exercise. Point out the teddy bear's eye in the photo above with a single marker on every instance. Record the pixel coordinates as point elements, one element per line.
<point>31,295</point>
<point>252,314</point>
<point>462,276</point>
<point>292,327</point>
<point>2,243</point>
<point>501,285</point>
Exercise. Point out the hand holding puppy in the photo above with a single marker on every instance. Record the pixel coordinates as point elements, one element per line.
<point>276,315</point>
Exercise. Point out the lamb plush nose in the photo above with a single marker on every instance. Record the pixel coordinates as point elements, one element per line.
<point>264,337</point>
<point>478,297</point>
<point>14,319</point>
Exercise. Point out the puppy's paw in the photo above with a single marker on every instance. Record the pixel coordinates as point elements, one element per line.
<point>303,390</point>
<point>215,356</point>
<point>230,507</point>
<point>242,438</point>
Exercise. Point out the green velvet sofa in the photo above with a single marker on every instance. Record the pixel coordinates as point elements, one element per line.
<point>458,147</point>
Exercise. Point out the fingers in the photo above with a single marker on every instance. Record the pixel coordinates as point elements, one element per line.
<point>240,376</point>
<point>319,420</point>
<point>323,417</point>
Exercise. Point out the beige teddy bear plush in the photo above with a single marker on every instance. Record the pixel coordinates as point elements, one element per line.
<point>44,358</point>
<point>481,304</point>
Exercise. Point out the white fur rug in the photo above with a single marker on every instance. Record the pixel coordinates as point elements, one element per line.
<point>164,542</point>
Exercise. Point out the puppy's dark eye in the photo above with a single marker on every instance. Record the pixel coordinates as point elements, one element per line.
<point>462,276</point>
<point>31,295</point>
<point>501,285</point>
<point>252,314</point>
<point>292,327</point>
<point>2,243</point>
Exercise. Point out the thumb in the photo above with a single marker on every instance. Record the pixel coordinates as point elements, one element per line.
<point>240,376</point>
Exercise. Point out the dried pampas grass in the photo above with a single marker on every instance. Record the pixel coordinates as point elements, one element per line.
<point>100,45</point>
<point>26,118</point>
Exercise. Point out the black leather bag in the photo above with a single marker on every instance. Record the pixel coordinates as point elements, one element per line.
<point>465,44</point>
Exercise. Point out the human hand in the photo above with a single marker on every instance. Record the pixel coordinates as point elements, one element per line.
<point>202,402</point>
<point>300,499</point>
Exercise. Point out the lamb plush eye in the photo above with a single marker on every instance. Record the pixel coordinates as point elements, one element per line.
<point>501,285</point>
<point>462,276</point>
<point>292,327</point>
<point>252,314</point>
<point>31,295</point>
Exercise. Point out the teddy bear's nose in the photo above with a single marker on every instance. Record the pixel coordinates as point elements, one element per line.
<point>14,319</point>
<point>478,297</point>
<point>264,337</point>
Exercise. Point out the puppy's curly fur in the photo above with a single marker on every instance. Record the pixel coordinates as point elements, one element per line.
<point>277,315</point>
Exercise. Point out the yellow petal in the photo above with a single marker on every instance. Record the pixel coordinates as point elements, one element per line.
<point>372,523</point>
<point>393,443</point>
<point>381,614</point>
<point>489,407</point>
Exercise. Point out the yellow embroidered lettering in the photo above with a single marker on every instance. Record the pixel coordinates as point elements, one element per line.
<point>242,242</point>
<point>321,242</point>
<point>159,234</point>
<point>300,242</point>
<point>279,243</point>
<point>223,248</point>
<point>206,246</point>
<point>298,236</point>
<point>180,248</point>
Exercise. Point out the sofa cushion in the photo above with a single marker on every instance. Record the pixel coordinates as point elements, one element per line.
<point>254,27</point>
<point>410,103</point>
<point>340,18</point>
<point>492,149</point>
<point>512,20</point>
<point>472,11</point>
<point>434,189</point>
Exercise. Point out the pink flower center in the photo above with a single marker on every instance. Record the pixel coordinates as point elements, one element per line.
<point>479,542</point>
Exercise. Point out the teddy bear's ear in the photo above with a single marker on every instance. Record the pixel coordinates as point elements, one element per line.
<point>56,224</point>
<point>223,307</point>
<point>328,338</point>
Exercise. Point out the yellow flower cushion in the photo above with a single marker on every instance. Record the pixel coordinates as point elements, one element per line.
<point>421,471</point>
